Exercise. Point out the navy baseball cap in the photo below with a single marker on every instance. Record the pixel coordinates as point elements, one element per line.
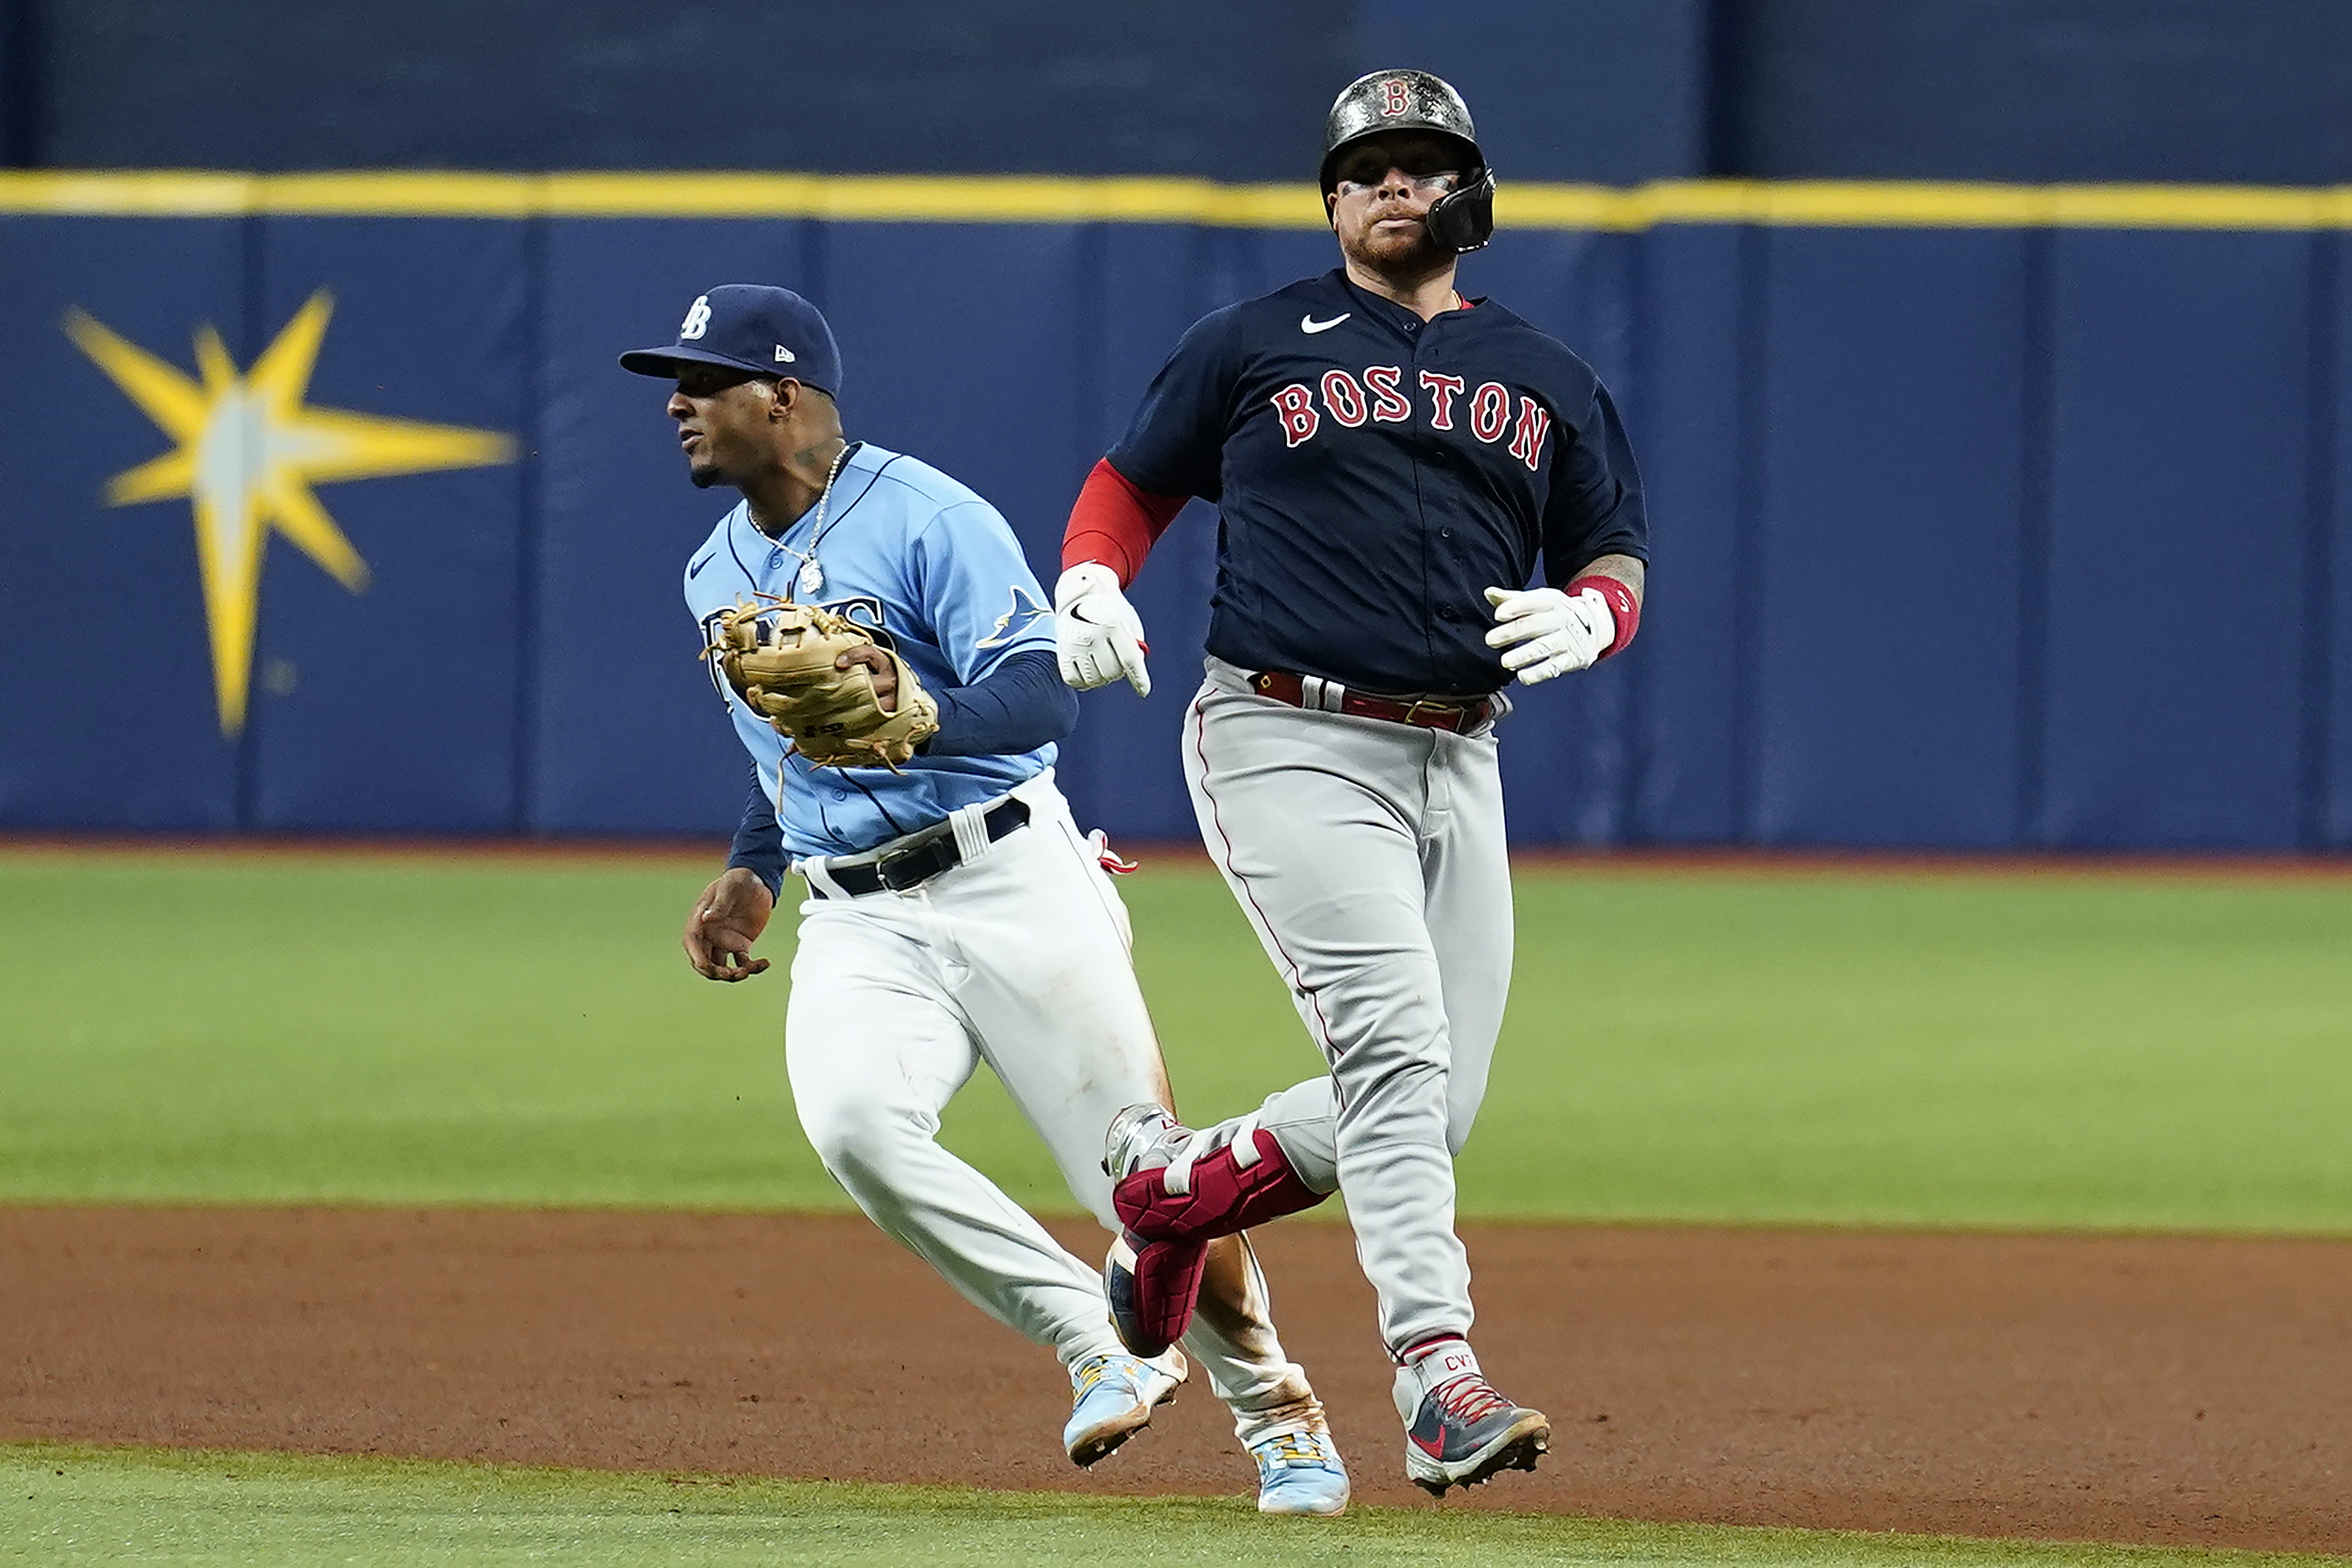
<point>751,326</point>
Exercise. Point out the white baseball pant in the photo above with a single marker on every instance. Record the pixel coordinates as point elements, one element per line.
<point>1018,958</point>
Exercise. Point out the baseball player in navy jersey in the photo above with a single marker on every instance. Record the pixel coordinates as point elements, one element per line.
<point>1394,464</point>
<point>955,915</point>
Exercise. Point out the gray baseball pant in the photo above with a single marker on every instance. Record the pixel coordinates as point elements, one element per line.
<point>1370,859</point>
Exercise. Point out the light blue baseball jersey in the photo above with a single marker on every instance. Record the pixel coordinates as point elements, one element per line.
<point>936,572</point>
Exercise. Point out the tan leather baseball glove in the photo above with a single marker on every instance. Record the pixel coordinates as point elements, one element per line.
<point>781,660</point>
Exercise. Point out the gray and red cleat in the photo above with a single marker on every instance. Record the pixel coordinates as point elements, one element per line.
<point>1458,1429</point>
<point>1177,1190</point>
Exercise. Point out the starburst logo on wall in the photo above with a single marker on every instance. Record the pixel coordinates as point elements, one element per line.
<point>249,450</point>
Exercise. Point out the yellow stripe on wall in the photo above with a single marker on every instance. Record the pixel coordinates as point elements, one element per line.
<point>985,199</point>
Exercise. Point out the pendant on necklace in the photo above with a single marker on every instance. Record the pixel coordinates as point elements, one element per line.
<point>810,581</point>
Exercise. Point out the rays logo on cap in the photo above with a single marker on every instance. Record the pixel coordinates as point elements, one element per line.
<point>753,327</point>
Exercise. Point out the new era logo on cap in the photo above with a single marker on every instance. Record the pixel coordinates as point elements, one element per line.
<point>754,327</point>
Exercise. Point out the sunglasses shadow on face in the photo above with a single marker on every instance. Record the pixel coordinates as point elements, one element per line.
<point>1434,184</point>
<point>1415,156</point>
<point>709,381</point>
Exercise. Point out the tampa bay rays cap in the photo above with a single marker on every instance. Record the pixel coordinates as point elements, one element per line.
<point>755,327</point>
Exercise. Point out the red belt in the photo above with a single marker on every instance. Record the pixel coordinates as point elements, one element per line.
<point>1314,692</point>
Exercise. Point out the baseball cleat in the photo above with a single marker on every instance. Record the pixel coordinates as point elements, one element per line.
<point>1459,1429</point>
<point>1139,1135</point>
<point>1112,1397</point>
<point>1300,1473</point>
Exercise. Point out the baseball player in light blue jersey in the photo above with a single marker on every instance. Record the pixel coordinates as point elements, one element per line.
<point>955,914</point>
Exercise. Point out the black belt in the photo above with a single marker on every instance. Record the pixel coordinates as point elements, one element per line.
<point>919,862</point>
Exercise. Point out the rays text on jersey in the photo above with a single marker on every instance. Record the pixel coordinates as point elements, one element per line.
<point>865,609</point>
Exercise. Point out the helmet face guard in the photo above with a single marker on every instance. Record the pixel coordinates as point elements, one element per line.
<point>1463,220</point>
<point>1384,100</point>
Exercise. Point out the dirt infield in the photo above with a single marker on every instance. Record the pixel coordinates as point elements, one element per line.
<point>2163,1390</point>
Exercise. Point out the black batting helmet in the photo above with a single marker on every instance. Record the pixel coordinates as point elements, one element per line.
<point>1462,219</point>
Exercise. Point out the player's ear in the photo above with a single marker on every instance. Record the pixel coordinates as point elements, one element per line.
<point>1331,209</point>
<point>784,394</point>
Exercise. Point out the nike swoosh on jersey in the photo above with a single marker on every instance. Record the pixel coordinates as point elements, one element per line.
<point>1309,325</point>
<point>695,570</point>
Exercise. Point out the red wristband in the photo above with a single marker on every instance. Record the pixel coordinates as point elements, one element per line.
<point>1624,609</point>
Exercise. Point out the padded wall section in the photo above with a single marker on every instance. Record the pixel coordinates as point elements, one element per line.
<point>1566,753</point>
<point>958,344</point>
<point>1684,417</point>
<point>627,735</point>
<point>391,703</point>
<point>1946,523</point>
<point>2199,90</point>
<point>76,749</point>
<point>1144,286</point>
<point>20,85</point>
<point>917,86</point>
<point>1887,600</point>
<point>1638,110</point>
<point>1610,91</point>
<point>2179,505</point>
<point>2332,554</point>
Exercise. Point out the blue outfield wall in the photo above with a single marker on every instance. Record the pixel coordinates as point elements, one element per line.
<point>1615,91</point>
<point>1968,534</point>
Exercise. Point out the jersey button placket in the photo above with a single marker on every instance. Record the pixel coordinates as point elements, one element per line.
<point>1432,452</point>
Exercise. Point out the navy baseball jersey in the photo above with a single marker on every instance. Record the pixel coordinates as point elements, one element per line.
<point>1375,473</point>
<point>935,572</point>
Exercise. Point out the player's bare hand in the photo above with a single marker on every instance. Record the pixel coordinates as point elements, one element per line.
<point>1097,635</point>
<point>1544,632</point>
<point>884,672</point>
<point>727,919</point>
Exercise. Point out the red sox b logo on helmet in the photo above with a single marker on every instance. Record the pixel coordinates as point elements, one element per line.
<point>1394,99</point>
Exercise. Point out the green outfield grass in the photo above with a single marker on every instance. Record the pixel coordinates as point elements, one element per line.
<point>1998,1050</point>
<point>83,1506</point>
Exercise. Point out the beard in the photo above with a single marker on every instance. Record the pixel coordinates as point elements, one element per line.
<point>703,479</point>
<point>1406,259</point>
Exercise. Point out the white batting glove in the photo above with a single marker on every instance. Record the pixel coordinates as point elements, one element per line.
<point>1544,633</point>
<point>1097,635</point>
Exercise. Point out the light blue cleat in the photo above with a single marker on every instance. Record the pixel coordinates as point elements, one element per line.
<point>1113,1397</point>
<point>1300,1472</point>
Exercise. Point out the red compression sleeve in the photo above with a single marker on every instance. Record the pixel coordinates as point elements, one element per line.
<point>1113,522</point>
<point>1624,609</point>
